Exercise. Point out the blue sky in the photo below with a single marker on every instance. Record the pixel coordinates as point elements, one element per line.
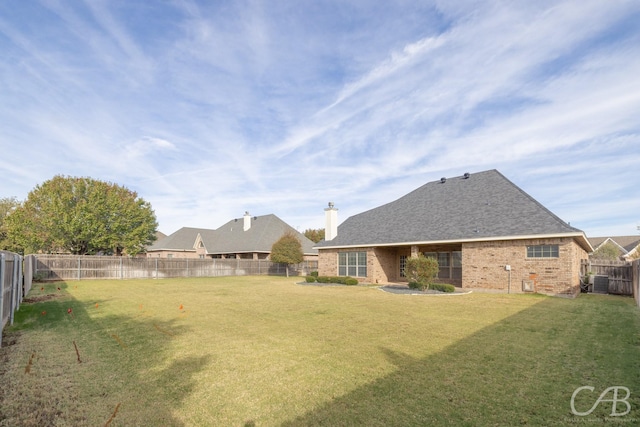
<point>210,109</point>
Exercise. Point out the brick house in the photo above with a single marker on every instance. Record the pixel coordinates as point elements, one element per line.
<point>485,232</point>
<point>244,238</point>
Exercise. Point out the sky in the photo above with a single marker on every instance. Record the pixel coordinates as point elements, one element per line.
<point>208,109</point>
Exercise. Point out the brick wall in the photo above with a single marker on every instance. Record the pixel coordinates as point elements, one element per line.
<point>483,266</point>
<point>378,262</point>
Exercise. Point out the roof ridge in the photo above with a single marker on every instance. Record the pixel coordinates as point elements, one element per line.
<point>556,217</point>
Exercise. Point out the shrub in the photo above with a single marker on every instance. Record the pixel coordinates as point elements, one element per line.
<point>442,287</point>
<point>418,285</point>
<point>421,270</point>
<point>314,274</point>
<point>337,279</point>
<point>310,279</point>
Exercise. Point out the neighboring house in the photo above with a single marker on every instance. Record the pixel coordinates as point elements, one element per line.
<point>628,246</point>
<point>485,232</point>
<point>247,238</point>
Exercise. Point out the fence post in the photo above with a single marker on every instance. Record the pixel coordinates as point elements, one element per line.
<point>15,291</point>
<point>2,267</point>
<point>79,261</point>
<point>21,280</point>
<point>156,268</point>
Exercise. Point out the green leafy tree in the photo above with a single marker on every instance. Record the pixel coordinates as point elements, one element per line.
<point>287,250</point>
<point>608,251</point>
<point>82,216</point>
<point>315,235</point>
<point>420,271</point>
<point>7,206</point>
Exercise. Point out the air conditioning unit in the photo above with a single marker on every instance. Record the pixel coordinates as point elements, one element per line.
<point>528,286</point>
<point>601,284</point>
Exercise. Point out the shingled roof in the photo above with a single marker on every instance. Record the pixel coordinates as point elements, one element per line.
<point>472,207</point>
<point>628,245</point>
<point>181,240</point>
<point>232,238</point>
<point>264,232</point>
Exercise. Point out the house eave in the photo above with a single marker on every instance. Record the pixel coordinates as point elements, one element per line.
<point>578,235</point>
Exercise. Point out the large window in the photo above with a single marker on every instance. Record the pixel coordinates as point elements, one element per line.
<point>449,263</point>
<point>352,264</point>
<point>542,251</point>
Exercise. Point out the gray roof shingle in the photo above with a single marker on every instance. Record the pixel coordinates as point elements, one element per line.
<point>482,205</point>
<point>628,243</point>
<point>231,238</point>
<point>264,232</point>
<point>181,240</point>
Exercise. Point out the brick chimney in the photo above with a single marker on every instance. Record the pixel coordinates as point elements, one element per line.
<point>247,221</point>
<point>331,222</point>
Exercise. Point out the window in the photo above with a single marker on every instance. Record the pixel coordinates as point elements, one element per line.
<point>449,263</point>
<point>403,265</point>
<point>542,251</point>
<point>352,264</point>
<point>456,265</point>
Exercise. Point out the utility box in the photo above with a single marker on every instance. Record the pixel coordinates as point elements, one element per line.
<point>528,286</point>
<point>600,284</point>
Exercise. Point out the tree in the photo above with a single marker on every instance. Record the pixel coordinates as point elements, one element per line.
<point>287,250</point>
<point>82,216</point>
<point>7,206</point>
<point>608,251</point>
<point>420,271</point>
<point>315,235</point>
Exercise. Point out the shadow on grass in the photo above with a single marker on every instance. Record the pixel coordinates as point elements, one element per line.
<point>522,370</point>
<point>62,365</point>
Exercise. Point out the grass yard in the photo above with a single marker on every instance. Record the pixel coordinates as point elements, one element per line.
<point>264,351</point>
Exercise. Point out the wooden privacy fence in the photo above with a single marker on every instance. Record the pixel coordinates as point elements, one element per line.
<point>616,275</point>
<point>636,281</point>
<point>69,267</point>
<point>11,287</point>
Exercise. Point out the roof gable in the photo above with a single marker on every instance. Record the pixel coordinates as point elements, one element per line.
<point>265,230</point>
<point>182,240</point>
<point>483,205</point>
<point>627,244</point>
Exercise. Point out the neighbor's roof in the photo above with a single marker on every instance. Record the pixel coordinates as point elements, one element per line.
<point>231,238</point>
<point>482,206</point>
<point>627,243</point>
<point>264,232</point>
<point>181,240</point>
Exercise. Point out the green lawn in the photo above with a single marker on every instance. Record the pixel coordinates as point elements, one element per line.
<point>264,351</point>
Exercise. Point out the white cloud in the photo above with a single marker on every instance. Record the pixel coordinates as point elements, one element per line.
<point>209,109</point>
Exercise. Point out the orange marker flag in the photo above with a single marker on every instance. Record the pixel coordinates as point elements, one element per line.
<point>180,308</point>
<point>96,305</point>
